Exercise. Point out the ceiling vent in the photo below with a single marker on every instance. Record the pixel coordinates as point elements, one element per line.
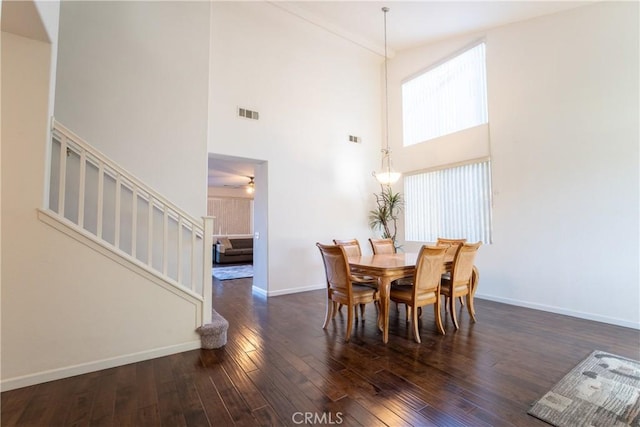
<point>248,114</point>
<point>353,138</point>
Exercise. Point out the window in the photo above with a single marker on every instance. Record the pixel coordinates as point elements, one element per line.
<point>447,98</point>
<point>450,203</point>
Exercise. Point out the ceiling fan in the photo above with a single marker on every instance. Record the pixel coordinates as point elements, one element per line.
<point>249,187</point>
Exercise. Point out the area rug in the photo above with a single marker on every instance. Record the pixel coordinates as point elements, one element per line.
<point>232,272</point>
<point>603,390</point>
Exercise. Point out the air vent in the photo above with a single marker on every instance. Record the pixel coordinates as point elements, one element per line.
<point>353,138</point>
<point>248,114</point>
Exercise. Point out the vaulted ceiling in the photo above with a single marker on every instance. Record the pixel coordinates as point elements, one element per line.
<point>414,23</point>
<point>409,24</point>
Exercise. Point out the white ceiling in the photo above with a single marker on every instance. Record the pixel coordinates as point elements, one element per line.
<point>413,23</point>
<point>409,24</point>
<point>230,171</point>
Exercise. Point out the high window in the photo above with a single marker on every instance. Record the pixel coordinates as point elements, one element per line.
<point>453,202</point>
<point>446,98</point>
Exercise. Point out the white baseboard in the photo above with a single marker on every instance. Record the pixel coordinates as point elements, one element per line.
<point>560,310</point>
<point>510,301</point>
<point>259,291</point>
<point>296,290</point>
<point>84,368</point>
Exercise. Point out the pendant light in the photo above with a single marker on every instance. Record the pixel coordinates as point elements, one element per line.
<point>386,175</point>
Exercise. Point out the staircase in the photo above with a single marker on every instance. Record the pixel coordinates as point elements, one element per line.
<point>91,196</point>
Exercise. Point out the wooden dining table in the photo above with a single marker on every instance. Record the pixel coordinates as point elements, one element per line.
<point>386,268</point>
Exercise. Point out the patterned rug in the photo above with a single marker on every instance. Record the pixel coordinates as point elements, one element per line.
<point>603,390</point>
<point>232,272</point>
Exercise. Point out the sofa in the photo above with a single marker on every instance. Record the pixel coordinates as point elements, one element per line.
<point>233,250</point>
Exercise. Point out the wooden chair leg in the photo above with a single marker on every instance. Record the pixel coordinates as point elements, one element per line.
<point>452,310</point>
<point>407,312</point>
<point>414,319</point>
<point>436,313</point>
<point>347,335</point>
<point>461,301</point>
<point>362,307</point>
<point>330,313</point>
<point>471,308</point>
<point>336,309</point>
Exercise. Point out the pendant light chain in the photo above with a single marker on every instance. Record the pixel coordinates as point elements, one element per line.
<point>386,87</point>
<point>387,175</point>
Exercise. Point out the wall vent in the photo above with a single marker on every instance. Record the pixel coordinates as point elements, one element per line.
<point>249,114</point>
<point>353,138</point>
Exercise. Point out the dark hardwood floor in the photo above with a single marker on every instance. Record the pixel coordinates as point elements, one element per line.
<point>280,368</point>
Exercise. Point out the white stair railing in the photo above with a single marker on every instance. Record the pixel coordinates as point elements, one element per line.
<point>91,191</point>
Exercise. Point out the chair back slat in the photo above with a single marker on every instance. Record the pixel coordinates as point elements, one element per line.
<point>429,269</point>
<point>336,268</point>
<point>382,246</point>
<point>452,244</point>
<point>351,246</point>
<point>463,262</point>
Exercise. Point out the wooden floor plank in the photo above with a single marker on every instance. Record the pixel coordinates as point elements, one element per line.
<point>14,403</point>
<point>266,416</point>
<point>104,401</point>
<point>85,394</point>
<point>287,385</point>
<point>126,404</point>
<point>233,401</point>
<point>145,379</point>
<point>169,408</point>
<point>47,403</point>
<point>212,404</point>
<point>280,364</point>
<point>238,376</point>
<point>281,405</point>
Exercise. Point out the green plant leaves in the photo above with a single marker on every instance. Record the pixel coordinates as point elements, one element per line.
<point>385,217</point>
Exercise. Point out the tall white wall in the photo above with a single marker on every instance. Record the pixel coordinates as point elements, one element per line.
<point>133,82</point>
<point>563,133</point>
<point>66,308</point>
<point>312,89</point>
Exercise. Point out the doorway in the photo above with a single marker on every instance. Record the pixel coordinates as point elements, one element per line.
<point>243,179</point>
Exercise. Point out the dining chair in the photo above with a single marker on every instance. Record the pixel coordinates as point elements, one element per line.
<point>386,246</point>
<point>382,246</point>
<point>462,280</point>
<point>426,287</point>
<point>352,248</point>
<point>452,245</point>
<point>342,287</point>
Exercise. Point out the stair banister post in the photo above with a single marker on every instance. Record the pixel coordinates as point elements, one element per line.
<point>207,251</point>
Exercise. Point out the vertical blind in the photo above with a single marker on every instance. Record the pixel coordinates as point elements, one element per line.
<point>450,203</point>
<point>447,98</point>
<point>232,215</point>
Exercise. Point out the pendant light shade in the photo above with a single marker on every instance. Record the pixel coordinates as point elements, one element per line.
<point>386,175</point>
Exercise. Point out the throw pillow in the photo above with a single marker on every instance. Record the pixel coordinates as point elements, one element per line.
<point>225,242</point>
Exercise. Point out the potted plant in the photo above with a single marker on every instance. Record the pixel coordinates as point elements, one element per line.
<point>385,216</point>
